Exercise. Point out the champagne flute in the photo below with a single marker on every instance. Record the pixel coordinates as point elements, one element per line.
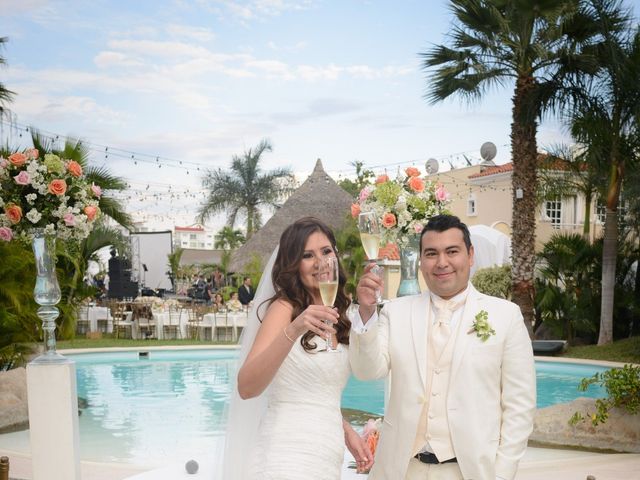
<point>328,280</point>
<point>370,238</point>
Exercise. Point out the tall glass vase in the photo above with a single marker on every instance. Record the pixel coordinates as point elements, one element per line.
<point>47,294</point>
<point>409,266</point>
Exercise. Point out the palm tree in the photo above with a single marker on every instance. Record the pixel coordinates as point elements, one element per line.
<point>228,238</point>
<point>534,44</point>
<point>245,189</point>
<point>6,95</point>
<point>606,121</point>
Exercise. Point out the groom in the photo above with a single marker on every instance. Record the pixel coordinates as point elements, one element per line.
<point>463,392</point>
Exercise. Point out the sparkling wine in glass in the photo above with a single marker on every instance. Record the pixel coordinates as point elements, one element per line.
<point>370,237</point>
<point>328,281</point>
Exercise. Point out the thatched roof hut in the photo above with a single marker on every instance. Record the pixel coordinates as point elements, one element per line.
<point>319,196</point>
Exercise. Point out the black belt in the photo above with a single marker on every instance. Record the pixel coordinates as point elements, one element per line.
<point>428,457</point>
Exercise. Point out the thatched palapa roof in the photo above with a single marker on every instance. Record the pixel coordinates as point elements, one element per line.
<point>319,196</point>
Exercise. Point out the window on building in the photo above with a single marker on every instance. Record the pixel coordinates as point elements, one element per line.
<point>192,236</point>
<point>471,206</point>
<point>553,211</point>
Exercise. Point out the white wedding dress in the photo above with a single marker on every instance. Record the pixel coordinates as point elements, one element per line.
<point>300,435</point>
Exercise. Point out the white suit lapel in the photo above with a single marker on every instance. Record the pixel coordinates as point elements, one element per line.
<point>420,322</point>
<point>463,338</point>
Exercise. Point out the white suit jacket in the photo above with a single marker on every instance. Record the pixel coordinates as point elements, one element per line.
<point>491,398</point>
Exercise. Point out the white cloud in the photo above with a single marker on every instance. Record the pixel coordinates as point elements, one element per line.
<point>245,10</point>
<point>16,7</point>
<point>109,59</point>
<point>199,34</point>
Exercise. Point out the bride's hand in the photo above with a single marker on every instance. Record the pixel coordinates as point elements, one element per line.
<point>313,319</point>
<point>358,448</point>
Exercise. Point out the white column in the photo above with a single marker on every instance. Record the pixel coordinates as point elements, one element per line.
<point>53,421</point>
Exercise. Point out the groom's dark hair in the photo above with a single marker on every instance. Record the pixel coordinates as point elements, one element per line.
<point>440,223</point>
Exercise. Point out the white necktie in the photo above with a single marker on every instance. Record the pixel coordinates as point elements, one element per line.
<point>442,328</point>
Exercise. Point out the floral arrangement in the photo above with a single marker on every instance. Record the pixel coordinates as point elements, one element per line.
<point>403,206</point>
<point>482,327</point>
<point>49,193</point>
<point>371,434</point>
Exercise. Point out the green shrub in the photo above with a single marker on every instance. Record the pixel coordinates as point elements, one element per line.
<point>495,281</point>
<point>623,387</point>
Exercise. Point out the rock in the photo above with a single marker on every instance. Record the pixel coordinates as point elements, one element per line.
<point>620,433</point>
<point>13,400</point>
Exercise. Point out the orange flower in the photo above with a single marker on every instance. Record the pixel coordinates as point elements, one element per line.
<point>355,210</point>
<point>416,184</point>
<point>388,220</point>
<point>13,213</point>
<point>74,168</point>
<point>412,172</point>
<point>18,159</point>
<point>32,153</point>
<point>372,441</point>
<point>382,178</point>
<point>58,187</point>
<point>91,212</point>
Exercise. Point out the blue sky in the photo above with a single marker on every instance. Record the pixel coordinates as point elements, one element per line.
<point>200,80</point>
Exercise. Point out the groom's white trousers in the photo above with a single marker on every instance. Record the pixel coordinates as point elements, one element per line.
<point>443,471</point>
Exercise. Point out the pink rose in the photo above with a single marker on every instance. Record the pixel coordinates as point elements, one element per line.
<point>412,172</point>
<point>441,194</point>
<point>90,211</point>
<point>97,191</point>
<point>382,179</point>
<point>416,184</point>
<point>388,220</point>
<point>58,187</point>
<point>69,220</point>
<point>6,234</point>
<point>418,227</point>
<point>32,153</point>
<point>13,213</point>
<point>4,163</point>
<point>355,210</point>
<point>22,178</point>
<point>18,159</point>
<point>364,194</point>
<point>74,168</point>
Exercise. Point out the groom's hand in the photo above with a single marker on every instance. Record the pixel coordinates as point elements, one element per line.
<point>366,291</point>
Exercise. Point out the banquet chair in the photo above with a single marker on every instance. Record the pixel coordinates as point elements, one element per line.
<point>172,329</point>
<point>82,320</point>
<point>143,317</point>
<point>121,325</point>
<point>102,321</point>
<point>195,323</point>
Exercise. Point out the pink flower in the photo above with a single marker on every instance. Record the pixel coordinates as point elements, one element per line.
<point>32,153</point>
<point>18,159</point>
<point>22,178</point>
<point>69,220</point>
<point>441,194</point>
<point>355,210</point>
<point>90,211</point>
<point>58,187</point>
<point>74,168</point>
<point>364,194</point>
<point>388,220</point>
<point>97,191</point>
<point>418,227</point>
<point>382,179</point>
<point>6,234</point>
<point>412,172</point>
<point>416,184</point>
<point>4,163</point>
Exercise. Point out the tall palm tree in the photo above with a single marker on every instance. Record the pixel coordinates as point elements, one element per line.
<point>607,121</point>
<point>245,188</point>
<point>533,44</point>
<point>228,238</point>
<point>6,95</point>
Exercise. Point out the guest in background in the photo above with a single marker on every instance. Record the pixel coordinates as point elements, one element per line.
<point>234,304</point>
<point>218,303</point>
<point>245,292</point>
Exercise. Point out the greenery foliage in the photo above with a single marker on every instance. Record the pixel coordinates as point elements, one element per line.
<point>495,281</point>
<point>623,388</point>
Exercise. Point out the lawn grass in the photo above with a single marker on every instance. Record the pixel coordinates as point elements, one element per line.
<point>107,342</point>
<point>625,351</point>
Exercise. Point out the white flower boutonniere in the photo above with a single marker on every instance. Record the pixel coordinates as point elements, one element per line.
<point>482,327</point>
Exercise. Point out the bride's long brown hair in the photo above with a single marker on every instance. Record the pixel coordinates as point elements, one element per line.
<point>286,276</point>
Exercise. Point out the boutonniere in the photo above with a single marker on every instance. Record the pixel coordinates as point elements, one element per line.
<point>482,327</point>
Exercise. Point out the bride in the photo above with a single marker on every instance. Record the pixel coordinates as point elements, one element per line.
<point>285,421</point>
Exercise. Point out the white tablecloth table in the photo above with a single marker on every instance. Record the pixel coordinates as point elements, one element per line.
<point>234,320</point>
<point>99,313</point>
<point>162,318</point>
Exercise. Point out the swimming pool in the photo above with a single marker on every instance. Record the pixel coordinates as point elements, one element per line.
<point>169,406</point>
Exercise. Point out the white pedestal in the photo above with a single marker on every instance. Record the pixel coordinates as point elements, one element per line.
<point>53,421</point>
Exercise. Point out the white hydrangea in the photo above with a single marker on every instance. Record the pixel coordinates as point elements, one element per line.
<point>34,215</point>
<point>31,197</point>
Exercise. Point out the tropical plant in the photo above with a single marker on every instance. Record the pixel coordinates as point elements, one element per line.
<point>494,281</point>
<point>173,262</point>
<point>605,120</point>
<point>351,253</point>
<point>534,44</point>
<point>245,189</point>
<point>6,95</point>
<point>364,177</point>
<point>228,238</point>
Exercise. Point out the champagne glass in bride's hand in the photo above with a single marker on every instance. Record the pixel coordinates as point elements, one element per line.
<point>370,238</point>
<point>328,280</point>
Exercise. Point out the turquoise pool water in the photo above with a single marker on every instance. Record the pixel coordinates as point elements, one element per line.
<point>170,405</point>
